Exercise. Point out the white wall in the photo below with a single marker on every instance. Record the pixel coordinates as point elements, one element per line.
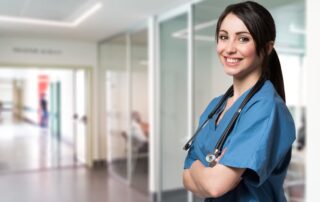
<point>16,50</point>
<point>292,74</point>
<point>313,100</point>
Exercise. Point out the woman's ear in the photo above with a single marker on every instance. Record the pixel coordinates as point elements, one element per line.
<point>269,47</point>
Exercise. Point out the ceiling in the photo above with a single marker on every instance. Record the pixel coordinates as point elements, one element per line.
<point>114,16</point>
<point>41,9</point>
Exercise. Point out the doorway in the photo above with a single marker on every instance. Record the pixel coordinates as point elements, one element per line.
<point>32,139</point>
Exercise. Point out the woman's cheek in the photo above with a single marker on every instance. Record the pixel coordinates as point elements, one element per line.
<point>219,48</point>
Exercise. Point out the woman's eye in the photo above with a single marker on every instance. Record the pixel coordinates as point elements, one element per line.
<point>244,39</point>
<point>223,37</point>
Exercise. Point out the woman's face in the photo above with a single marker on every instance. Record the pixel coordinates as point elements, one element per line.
<point>236,48</point>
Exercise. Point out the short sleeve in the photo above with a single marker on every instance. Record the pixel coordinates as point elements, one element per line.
<point>191,157</point>
<point>261,140</point>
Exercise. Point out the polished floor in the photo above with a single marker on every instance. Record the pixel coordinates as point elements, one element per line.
<point>66,185</point>
<point>36,167</point>
<point>25,147</point>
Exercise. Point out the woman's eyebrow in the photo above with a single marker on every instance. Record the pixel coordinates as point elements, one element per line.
<point>243,32</point>
<point>237,33</point>
<point>221,30</point>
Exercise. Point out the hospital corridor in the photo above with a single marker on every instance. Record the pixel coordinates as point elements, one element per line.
<point>36,166</point>
<point>98,97</point>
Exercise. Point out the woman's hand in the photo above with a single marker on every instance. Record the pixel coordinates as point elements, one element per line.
<point>212,182</point>
<point>190,184</point>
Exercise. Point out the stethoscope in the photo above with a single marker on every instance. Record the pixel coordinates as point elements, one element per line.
<point>211,157</point>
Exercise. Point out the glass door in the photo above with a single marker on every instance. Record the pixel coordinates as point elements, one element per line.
<point>139,115</point>
<point>80,116</point>
<point>173,106</point>
<point>117,103</point>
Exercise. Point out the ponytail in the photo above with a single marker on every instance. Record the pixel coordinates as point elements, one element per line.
<point>274,73</point>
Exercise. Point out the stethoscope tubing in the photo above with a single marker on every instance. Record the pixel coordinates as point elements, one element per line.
<point>211,157</point>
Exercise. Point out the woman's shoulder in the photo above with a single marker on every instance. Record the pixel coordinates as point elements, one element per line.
<point>268,102</point>
<point>268,95</point>
<point>267,105</point>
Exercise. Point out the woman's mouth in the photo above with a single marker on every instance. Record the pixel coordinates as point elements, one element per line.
<point>232,61</point>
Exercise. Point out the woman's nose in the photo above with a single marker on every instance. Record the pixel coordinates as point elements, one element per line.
<point>231,47</point>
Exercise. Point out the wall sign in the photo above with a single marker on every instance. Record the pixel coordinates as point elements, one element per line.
<point>34,50</point>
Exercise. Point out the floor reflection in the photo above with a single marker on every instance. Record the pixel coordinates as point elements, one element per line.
<point>24,146</point>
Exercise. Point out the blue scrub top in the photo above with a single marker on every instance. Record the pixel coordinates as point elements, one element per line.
<point>260,142</point>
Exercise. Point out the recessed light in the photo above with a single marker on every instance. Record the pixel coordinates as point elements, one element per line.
<point>35,21</point>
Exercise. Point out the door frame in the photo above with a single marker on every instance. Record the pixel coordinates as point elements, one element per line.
<point>88,70</point>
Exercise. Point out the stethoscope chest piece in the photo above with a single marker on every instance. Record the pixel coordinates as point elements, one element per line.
<point>211,159</point>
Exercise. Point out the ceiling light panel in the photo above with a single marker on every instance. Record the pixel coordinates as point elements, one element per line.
<point>56,10</point>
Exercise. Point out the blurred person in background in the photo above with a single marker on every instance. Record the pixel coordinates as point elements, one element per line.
<point>139,129</point>
<point>44,111</point>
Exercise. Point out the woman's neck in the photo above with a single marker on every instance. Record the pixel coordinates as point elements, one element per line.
<point>241,85</point>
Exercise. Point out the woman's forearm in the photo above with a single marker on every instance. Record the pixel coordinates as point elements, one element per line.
<point>190,185</point>
<point>197,173</point>
<point>214,182</point>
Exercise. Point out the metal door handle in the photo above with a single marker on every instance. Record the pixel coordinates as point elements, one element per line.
<point>84,119</point>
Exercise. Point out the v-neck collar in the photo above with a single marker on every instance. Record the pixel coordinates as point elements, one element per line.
<point>229,111</point>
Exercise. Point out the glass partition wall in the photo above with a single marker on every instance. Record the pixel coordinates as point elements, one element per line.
<point>117,97</point>
<point>139,112</point>
<point>189,75</point>
<point>173,105</point>
<point>125,64</point>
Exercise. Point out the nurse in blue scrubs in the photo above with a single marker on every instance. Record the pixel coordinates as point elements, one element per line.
<point>255,156</point>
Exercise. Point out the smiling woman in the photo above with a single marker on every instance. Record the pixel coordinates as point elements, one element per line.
<point>242,148</point>
<point>236,48</point>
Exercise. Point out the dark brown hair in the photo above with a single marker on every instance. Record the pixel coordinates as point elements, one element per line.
<point>261,26</point>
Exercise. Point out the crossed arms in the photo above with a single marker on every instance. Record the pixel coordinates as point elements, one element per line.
<point>207,182</point>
